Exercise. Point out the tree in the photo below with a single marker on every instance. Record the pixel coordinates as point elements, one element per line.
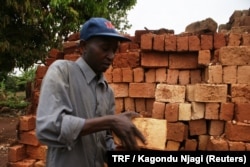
<point>29,28</point>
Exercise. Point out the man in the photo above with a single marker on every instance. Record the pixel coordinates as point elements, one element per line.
<point>75,115</point>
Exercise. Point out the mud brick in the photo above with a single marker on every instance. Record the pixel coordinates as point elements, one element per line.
<point>108,74</point>
<point>161,75</point>
<point>140,105</point>
<point>23,163</point>
<point>229,74</point>
<point>150,75</point>
<point>28,138</point>
<point>41,71</point>
<point>190,145</point>
<point>197,127</point>
<point>198,110</point>
<point>213,74</point>
<point>171,112</point>
<point>71,56</point>
<point>40,163</point>
<point>172,146</point>
<point>55,53</point>
<point>216,127</point>
<point>170,42</point>
<point>37,152</point>
<point>154,59</point>
<point>117,75</point>
<point>229,53</point>
<point>190,92</point>
<point>242,113</point>
<point>247,146</point>
<point>219,40</point>
<point>142,90</point>
<point>138,74</point>
<point>237,146</point>
<point>124,47</point>
<point>217,144</point>
<point>246,39</point>
<point>138,34</point>
<point>74,37</point>
<point>176,131</point>
<point>16,153</point>
<point>37,84</point>
<point>240,93</point>
<point>226,111</point>
<point>129,104</point>
<point>158,111</point>
<point>120,89</point>
<point>182,43</point>
<point>27,122</point>
<point>184,77</point>
<point>210,93</point>
<point>184,112</point>
<point>202,142</point>
<point>183,60</point>
<point>71,47</point>
<point>119,105</point>
<point>194,43</point>
<point>149,105</point>
<point>159,42</point>
<point>243,75</point>
<point>170,93</point>
<point>234,39</point>
<point>172,76</point>
<point>237,131</point>
<point>35,97</point>
<point>133,46</point>
<point>127,75</point>
<point>195,76</point>
<point>212,110</point>
<point>204,57</point>
<point>147,41</point>
<point>206,42</point>
<point>126,60</point>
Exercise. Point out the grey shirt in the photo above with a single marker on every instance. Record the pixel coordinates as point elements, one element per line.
<point>70,93</point>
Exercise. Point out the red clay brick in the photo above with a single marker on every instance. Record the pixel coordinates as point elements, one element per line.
<point>243,75</point>
<point>16,153</point>
<point>27,122</point>
<point>217,144</point>
<point>206,42</point>
<point>219,40</point>
<point>229,74</point>
<point>194,43</point>
<point>170,42</point>
<point>154,59</point>
<point>197,127</point>
<point>158,111</point>
<point>29,138</point>
<point>138,74</point>
<point>234,39</point>
<point>246,39</point>
<point>183,61</point>
<point>119,105</point>
<point>161,75</point>
<point>212,110</point>
<point>171,112</point>
<point>190,145</point>
<point>184,77</point>
<point>147,41</point>
<point>176,131</point>
<point>182,43</point>
<point>120,89</point>
<point>237,131</point>
<point>213,74</point>
<point>117,75</point>
<point>129,104</point>
<point>240,93</point>
<point>172,76</point>
<point>237,146</point>
<point>216,127</point>
<point>195,76</point>
<point>159,42</point>
<point>127,75</point>
<point>37,152</point>
<point>140,105</point>
<point>41,71</point>
<point>150,75</point>
<point>204,57</point>
<point>226,111</point>
<point>125,60</point>
<point>242,113</point>
<point>142,90</point>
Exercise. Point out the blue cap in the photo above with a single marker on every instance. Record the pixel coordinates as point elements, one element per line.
<point>99,27</point>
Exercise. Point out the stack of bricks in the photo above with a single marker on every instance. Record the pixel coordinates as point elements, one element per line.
<point>199,83</point>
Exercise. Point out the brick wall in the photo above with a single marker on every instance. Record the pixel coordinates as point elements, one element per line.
<point>199,83</point>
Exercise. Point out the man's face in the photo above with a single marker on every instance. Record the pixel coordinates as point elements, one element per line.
<point>100,52</point>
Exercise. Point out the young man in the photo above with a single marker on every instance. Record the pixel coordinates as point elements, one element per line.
<point>75,115</point>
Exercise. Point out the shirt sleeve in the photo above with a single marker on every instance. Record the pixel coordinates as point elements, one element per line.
<point>55,124</point>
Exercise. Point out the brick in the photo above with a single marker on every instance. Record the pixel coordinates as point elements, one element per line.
<point>147,41</point>
<point>170,42</point>
<point>161,75</point>
<point>237,146</point>
<point>184,112</point>
<point>176,131</point>
<point>240,93</point>
<point>55,53</point>
<point>183,61</point>
<point>149,107</point>
<point>247,146</point>
<point>140,105</point>
<point>120,89</point>
<point>234,39</point>
<point>16,153</point>
<point>134,46</point>
<point>150,75</point>
<point>204,57</point>
<point>229,74</point>
<point>159,42</point>
<point>119,105</point>
<point>190,92</point>
<point>202,142</point>
<point>243,75</point>
<point>28,138</point>
<point>171,112</point>
<point>210,93</point>
<point>158,111</point>
<point>184,77</point>
<point>226,111</point>
<point>70,47</point>
<point>172,76</point>
<point>23,163</point>
<point>195,76</point>
<point>40,163</point>
<point>127,75</point>
<point>216,127</point>
<point>212,110</point>
<point>27,122</point>
<point>129,104</point>
<point>242,113</point>
<point>124,47</point>
<point>237,131</point>
<point>37,152</point>
<point>170,93</point>
<point>108,74</point>
<point>71,56</point>
<point>229,53</point>
<point>190,145</point>
<point>126,60</point>
<point>37,84</point>
<point>117,75</point>
<point>142,90</point>
<point>194,43</point>
<point>154,59</point>
<point>182,43</point>
<point>172,146</point>
<point>41,71</point>
<point>219,40</point>
<point>246,39</point>
<point>138,74</point>
<point>217,144</point>
<point>198,110</point>
<point>197,127</point>
<point>206,42</point>
<point>213,74</point>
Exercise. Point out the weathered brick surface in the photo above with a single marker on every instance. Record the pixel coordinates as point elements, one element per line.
<point>176,131</point>
<point>184,112</point>
<point>243,75</point>
<point>27,122</point>
<point>216,127</point>
<point>183,61</point>
<point>206,42</point>
<point>242,112</point>
<point>16,153</point>
<point>240,93</point>
<point>226,111</point>
<point>147,41</point>
<point>217,144</point>
<point>120,89</point>
<point>182,43</point>
<point>219,40</point>
<point>142,90</point>
<point>238,131</point>
<point>214,74</point>
<point>154,59</point>
<point>194,43</point>
<point>123,60</point>
<point>171,112</point>
<point>229,74</point>
<point>170,42</point>
<point>159,43</point>
<point>204,57</point>
<point>197,127</point>
<point>158,111</point>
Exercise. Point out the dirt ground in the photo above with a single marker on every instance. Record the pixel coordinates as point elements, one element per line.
<point>7,136</point>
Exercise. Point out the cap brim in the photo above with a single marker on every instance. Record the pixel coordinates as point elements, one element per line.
<point>117,36</point>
